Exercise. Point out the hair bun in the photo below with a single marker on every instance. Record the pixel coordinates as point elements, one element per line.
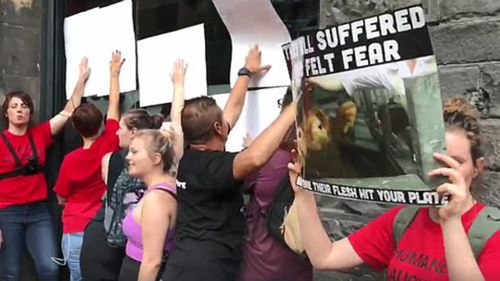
<point>459,107</point>
<point>157,120</point>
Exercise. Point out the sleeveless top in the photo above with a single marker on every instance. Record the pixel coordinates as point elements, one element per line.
<point>133,231</point>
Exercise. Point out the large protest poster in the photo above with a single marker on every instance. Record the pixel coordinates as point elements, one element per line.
<point>370,113</point>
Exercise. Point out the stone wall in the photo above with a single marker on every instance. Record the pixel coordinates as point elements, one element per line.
<point>466,39</point>
<point>20,40</point>
<point>20,31</point>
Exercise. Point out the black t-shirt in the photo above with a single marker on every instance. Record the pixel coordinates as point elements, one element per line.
<point>210,204</point>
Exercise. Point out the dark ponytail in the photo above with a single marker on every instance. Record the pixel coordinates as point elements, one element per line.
<point>140,119</point>
<point>157,121</point>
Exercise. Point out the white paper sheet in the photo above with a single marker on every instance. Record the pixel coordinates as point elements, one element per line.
<point>260,110</point>
<point>118,27</point>
<point>80,37</point>
<point>96,33</point>
<point>256,22</point>
<point>156,57</point>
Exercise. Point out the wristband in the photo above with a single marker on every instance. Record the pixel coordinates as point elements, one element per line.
<point>245,72</point>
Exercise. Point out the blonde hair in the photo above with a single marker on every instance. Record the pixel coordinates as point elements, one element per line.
<point>161,142</point>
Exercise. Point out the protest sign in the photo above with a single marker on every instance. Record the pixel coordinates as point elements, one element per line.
<point>370,113</point>
<point>96,34</point>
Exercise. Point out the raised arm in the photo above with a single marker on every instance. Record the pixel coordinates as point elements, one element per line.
<point>263,147</point>
<point>157,218</point>
<point>57,122</point>
<point>234,104</point>
<point>115,66</point>
<point>460,259</point>
<point>322,252</point>
<point>178,75</point>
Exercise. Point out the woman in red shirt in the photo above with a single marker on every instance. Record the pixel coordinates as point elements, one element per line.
<point>24,213</point>
<point>79,185</point>
<point>435,246</point>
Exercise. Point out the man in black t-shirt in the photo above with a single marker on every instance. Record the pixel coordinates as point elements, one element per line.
<point>210,222</point>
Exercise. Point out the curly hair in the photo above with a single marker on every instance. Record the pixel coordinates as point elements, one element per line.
<point>460,115</point>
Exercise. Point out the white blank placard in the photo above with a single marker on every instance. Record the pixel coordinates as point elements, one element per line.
<point>256,22</point>
<point>118,26</point>
<point>80,35</point>
<point>95,34</point>
<point>156,57</point>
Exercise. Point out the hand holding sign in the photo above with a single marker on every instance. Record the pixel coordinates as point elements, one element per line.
<point>115,64</point>
<point>294,169</point>
<point>456,188</point>
<point>84,70</point>
<point>253,61</point>
<point>179,73</point>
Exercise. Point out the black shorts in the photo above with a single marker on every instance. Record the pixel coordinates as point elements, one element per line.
<point>194,260</point>
<point>130,270</point>
<point>99,261</point>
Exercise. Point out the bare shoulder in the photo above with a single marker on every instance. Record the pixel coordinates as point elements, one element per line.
<point>105,166</point>
<point>159,198</point>
<point>105,159</point>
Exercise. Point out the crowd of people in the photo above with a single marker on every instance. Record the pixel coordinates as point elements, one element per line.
<point>144,203</point>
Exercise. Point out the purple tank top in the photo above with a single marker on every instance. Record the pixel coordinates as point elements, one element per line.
<point>133,231</point>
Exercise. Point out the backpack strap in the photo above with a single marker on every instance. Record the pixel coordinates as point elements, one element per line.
<point>401,222</point>
<point>484,226</point>
<point>19,164</point>
<point>33,146</point>
<point>115,167</point>
<point>171,189</point>
<point>19,168</point>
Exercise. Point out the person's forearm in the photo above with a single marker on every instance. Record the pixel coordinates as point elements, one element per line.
<point>148,271</point>
<point>236,101</point>
<point>177,105</point>
<point>114,96</point>
<point>462,265</point>
<point>316,241</point>
<point>76,98</point>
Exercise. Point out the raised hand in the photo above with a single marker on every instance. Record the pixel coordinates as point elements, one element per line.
<point>178,73</point>
<point>294,168</point>
<point>115,64</point>
<point>253,61</point>
<point>84,70</point>
<point>247,140</point>
<point>456,188</point>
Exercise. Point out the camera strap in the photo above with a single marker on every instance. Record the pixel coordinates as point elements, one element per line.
<point>19,164</point>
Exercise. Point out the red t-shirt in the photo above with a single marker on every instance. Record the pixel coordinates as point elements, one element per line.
<point>80,180</point>
<point>420,253</point>
<point>24,189</point>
